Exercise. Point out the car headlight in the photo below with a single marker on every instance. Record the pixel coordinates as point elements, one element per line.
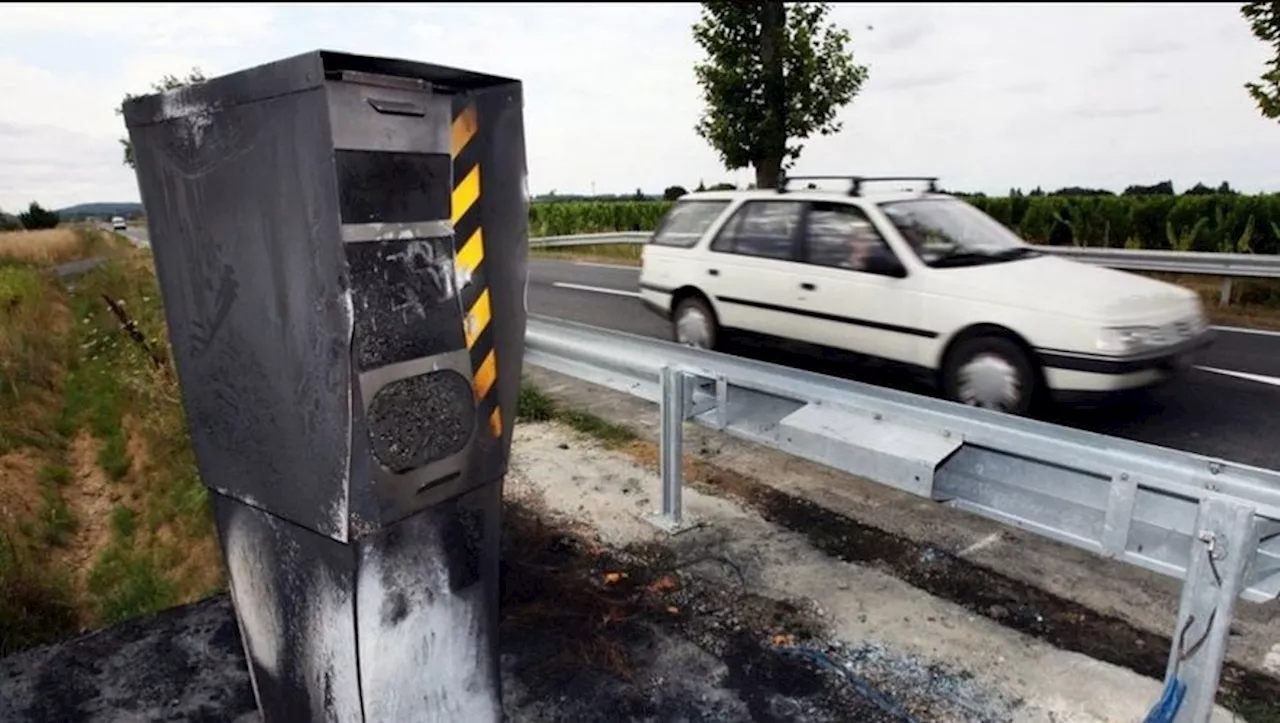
<point>1199,320</point>
<point>1126,339</point>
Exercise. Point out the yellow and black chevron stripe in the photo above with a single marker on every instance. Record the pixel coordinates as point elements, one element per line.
<point>469,252</point>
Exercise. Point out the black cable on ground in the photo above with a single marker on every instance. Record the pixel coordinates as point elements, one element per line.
<point>864,688</point>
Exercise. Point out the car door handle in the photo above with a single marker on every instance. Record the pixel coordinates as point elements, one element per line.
<point>808,286</point>
<point>713,272</point>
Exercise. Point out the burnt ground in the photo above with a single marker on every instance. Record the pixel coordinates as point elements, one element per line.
<point>598,633</point>
<point>1068,625</point>
<point>629,634</point>
<point>589,633</point>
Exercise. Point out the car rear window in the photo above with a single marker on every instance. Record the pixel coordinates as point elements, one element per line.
<point>686,222</point>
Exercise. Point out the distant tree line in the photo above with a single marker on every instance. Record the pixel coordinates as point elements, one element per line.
<point>671,193</point>
<point>1163,188</point>
<point>36,217</point>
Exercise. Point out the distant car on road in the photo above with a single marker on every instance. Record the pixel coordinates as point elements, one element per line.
<point>118,223</point>
<point>920,278</point>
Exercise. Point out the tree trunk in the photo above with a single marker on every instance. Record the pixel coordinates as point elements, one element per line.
<point>773,136</point>
<point>767,171</point>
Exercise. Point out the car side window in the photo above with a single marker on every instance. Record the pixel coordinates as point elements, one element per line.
<point>762,228</point>
<point>840,235</point>
<point>685,223</point>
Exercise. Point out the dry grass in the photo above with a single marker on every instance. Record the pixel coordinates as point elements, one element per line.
<point>620,254</point>
<point>46,247</point>
<point>121,525</point>
<point>33,352</point>
<point>51,246</point>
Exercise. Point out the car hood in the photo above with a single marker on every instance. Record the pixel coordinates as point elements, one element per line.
<point>1073,288</point>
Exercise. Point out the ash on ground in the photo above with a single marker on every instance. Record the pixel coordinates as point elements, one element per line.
<point>635,634</point>
<point>589,633</point>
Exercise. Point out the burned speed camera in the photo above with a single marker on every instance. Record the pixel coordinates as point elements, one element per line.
<point>341,244</point>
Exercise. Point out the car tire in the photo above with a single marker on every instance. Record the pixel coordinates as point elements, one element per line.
<point>992,372</point>
<point>694,324</point>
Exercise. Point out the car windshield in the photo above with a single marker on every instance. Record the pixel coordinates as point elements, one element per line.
<point>949,232</point>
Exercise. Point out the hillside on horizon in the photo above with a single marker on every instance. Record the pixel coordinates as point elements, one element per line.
<point>101,208</point>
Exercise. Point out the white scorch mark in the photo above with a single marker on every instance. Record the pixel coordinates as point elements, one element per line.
<point>422,654</point>
<point>253,589</point>
<point>342,505</point>
<point>329,658</point>
<point>196,117</point>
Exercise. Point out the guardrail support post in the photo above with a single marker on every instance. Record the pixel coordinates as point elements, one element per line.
<point>1223,547</point>
<point>343,290</point>
<point>1224,292</point>
<point>673,410</point>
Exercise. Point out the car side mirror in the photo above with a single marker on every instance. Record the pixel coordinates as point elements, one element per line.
<point>885,264</point>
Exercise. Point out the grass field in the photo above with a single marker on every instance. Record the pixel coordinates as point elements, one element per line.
<point>104,517</point>
<point>53,246</point>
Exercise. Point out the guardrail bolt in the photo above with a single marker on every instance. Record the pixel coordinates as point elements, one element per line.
<point>1215,467</point>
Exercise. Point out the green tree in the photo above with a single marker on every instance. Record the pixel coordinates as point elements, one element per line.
<point>774,74</point>
<point>1163,188</point>
<point>1264,19</point>
<point>169,82</point>
<point>673,192</point>
<point>9,222</point>
<point>38,217</point>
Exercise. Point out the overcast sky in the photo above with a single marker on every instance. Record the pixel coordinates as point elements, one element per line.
<point>986,96</point>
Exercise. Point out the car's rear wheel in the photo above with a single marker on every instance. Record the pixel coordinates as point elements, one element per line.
<point>694,324</point>
<point>991,372</point>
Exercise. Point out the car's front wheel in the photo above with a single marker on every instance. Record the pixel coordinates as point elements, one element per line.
<point>694,324</point>
<point>991,372</point>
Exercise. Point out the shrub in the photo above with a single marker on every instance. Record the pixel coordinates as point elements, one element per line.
<point>36,218</point>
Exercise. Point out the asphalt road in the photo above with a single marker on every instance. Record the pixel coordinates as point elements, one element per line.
<point>1225,408</point>
<point>136,234</point>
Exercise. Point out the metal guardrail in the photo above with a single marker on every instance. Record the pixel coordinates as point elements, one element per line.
<point>1261,266</point>
<point>1212,523</point>
<point>1228,266</point>
<point>590,239</point>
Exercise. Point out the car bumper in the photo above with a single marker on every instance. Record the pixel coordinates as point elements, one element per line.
<point>656,299</point>
<point>1094,373</point>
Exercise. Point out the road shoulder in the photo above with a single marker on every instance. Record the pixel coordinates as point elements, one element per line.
<point>1070,581</point>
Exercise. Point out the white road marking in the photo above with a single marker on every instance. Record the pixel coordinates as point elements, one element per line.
<point>606,266</point>
<point>1242,330</point>
<point>982,544</point>
<point>596,289</point>
<point>1261,379</point>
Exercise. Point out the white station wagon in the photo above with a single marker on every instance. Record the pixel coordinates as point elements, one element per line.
<point>918,278</point>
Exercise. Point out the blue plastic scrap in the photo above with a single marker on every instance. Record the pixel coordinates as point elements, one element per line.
<point>1166,708</point>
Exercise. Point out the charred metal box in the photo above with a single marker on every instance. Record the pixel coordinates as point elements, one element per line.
<point>340,242</point>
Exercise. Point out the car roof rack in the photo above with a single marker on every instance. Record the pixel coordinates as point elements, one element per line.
<point>855,182</point>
